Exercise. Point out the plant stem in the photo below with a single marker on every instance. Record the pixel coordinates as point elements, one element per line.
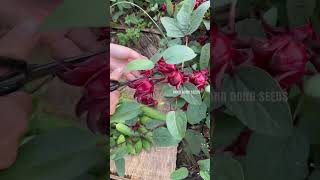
<point>232,16</point>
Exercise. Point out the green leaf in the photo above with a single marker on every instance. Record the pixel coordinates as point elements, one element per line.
<point>204,164</point>
<point>197,16</point>
<point>191,94</point>
<point>177,124</point>
<point>172,27</point>
<point>126,111</point>
<point>169,91</point>
<point>63,153</point>
<point>41,122</point>
<point>163,138</point>
<point>179,174</point>
<point>250,28</point>
<point>271,16</point>
<point>315,175</point>
<point>194,141</point>
<point>205,175</point>
<point>173,42</point>
<point>300,11</point>
<point>312,86</point>
<point>77,13</point>
<point>206,24</point>
<point>178,54</point>
<point>227,130</point>
<point>118,153</point>
<point>277,158</point>
<point>184,15</point>
<point>226,168</point>
<point>309,122</point>
<point>156,57</point>
<point>195,113</point>
<point>169,7</point>
<point>152,123</point>
<point>205,56</point>
<point>256,99</point>
<point>139,64</point>
<point>120,165</point>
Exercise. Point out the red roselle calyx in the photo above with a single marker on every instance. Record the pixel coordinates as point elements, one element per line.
<point>164,7</point>
<point>176,78</point>
<point>165,68</point>
<point>144,90</point>
<point>284,58</point>
<point>199,78</point>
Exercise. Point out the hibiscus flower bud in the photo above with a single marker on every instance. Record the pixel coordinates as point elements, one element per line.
<point>199,78</point>
<point>147,100</point>
<point>176,78</point>
<point>165,68</point>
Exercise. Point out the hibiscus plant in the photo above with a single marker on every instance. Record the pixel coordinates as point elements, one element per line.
<point>266,90</point>
<point>175,80</point>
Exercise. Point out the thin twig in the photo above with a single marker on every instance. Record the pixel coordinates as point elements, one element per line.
<point>152,31</point>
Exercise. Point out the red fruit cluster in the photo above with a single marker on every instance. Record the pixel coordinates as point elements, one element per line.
<point>92,76</point>
<point>199,78</point>
<point>144,90</point>
<point>174,76</point>
<point>283,54</point>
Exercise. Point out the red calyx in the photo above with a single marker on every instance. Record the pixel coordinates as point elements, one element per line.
<point>176,78</point>
<point>165,68</point>
<point>199,78</point>
<point>164,7</point>
<point>147,100</point>
<point>143,86</point>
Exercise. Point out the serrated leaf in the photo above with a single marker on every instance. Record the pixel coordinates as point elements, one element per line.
<point>177,124</point>
<point>139,64</point>
<point>197,16</point>
<point>172,27</point>
<point>178,54</point>
<point>191,94</point>
<point>179,174</point>
<point>163,138</point>
<point>84,14</point>
<point>266,116</point>
<point>205,56</point>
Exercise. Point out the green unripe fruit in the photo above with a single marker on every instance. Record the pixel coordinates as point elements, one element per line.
<point>121,139</point>
<point>142,130</point>
<point>144,120</point>
<point>149,136</point>
<point>146,145</point>
<point>153,113</point>
<point>124,129</point>
<point>138,146</point>
<point>130,148</point>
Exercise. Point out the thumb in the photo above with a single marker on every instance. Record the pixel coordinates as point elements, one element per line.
<point>116,74</point>
<point>19,41</point>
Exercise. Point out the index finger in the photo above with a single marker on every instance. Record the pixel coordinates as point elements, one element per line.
<point>124,53</point>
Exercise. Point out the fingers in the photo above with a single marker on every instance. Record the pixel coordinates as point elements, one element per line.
<point>114,96</point>
<point>85,39</point>
<point>123,53</point>
<point>19,41</point>
<point>14,109</point>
